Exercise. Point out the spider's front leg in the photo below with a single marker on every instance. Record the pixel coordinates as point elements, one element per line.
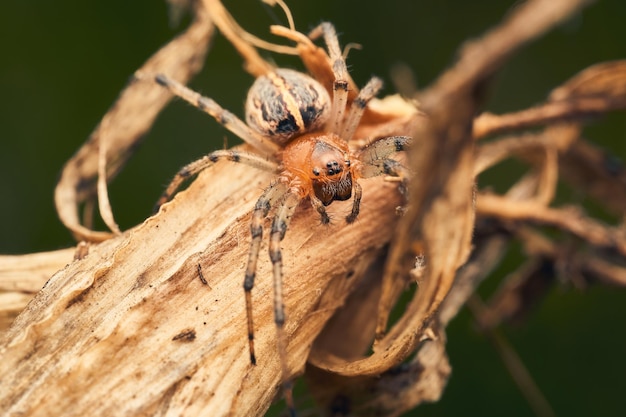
<point>279,227</point>
<point>268,199</point>
<point>276,192</point>
<point>375,158</point>
<point>206,161</point>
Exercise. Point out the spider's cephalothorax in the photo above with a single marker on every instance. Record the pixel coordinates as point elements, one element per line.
<point>318,166</point>
<point>301,132</point>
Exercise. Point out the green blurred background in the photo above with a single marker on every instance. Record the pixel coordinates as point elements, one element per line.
<point>64,63</point>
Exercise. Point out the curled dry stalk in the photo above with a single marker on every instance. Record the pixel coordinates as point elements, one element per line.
<point>152,320</point>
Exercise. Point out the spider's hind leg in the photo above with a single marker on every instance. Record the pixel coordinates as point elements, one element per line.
<point>224,117</point>
<point>340,73</point>
<point>359,104</point>
<point>206,161</point>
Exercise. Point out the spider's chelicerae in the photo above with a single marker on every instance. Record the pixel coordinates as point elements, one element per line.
<point>303,136</point>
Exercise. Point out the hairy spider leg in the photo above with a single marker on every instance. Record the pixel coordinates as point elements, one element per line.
<point>288,202</point>
<point>206,161</point>
<point>284,212</point>
<point>367,93</point>
<point>356,201</point>
<point>224,117</point>
<point>375,160</point>
<point>381,148</point>
<point>319,207</point>
<point>340,72</point>
<point>262,207</point>
<point>354,117</point>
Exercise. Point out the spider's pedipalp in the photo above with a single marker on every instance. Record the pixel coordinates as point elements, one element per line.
<point>224,117</point>
<point>206,161</point>
<point>356,202</point>
<point>340,72</point>
<point>263,205</point>
<point>359,104</point>
<point>320,208</point>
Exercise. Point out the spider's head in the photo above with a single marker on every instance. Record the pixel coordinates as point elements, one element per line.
<point>330,173</point>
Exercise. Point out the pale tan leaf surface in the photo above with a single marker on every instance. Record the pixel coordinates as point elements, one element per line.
<point>114,316</point>
<point>22,276</point>
<point>152,320</point>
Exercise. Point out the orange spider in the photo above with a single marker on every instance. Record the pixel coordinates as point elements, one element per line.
<point>303,136</point>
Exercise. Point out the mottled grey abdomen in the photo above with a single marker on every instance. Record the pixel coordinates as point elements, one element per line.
<point>286,103</point>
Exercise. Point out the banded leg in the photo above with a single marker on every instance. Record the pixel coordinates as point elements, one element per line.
<point>387,166</point>
<point>356,201</point>
<point>376,160</point>
<point>279,227</point>
<point>224,117</point>
<point>263,205</point>
<point>368,92</point>
<point>206,161</point>
<point>382,148</point>
<point>340,71</point>
<point>319,206</point>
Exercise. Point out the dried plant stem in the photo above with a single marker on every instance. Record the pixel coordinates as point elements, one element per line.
<point>134,316</point>
<point>152,321</point>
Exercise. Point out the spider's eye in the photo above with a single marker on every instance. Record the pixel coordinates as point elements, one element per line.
<point>316,172</point>
<point>333,168</point>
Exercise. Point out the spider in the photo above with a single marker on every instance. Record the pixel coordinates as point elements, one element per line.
<point>303,136</point>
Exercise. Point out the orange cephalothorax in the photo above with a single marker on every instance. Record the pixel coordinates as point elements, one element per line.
<point>320,164</point>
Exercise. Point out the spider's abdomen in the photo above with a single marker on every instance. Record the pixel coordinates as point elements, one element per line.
<point>286,103</point>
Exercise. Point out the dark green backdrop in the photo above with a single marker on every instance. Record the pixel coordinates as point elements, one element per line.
<point>63,64</point>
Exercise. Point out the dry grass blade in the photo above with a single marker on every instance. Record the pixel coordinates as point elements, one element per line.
<point>594,91</point>
<point>123,127</point>
<point>441,203</point>
<point>114,316</point>
<point>22,276</point>
<point>152,321</point>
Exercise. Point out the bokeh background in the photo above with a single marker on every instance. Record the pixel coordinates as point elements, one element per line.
<point>63,64</point>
